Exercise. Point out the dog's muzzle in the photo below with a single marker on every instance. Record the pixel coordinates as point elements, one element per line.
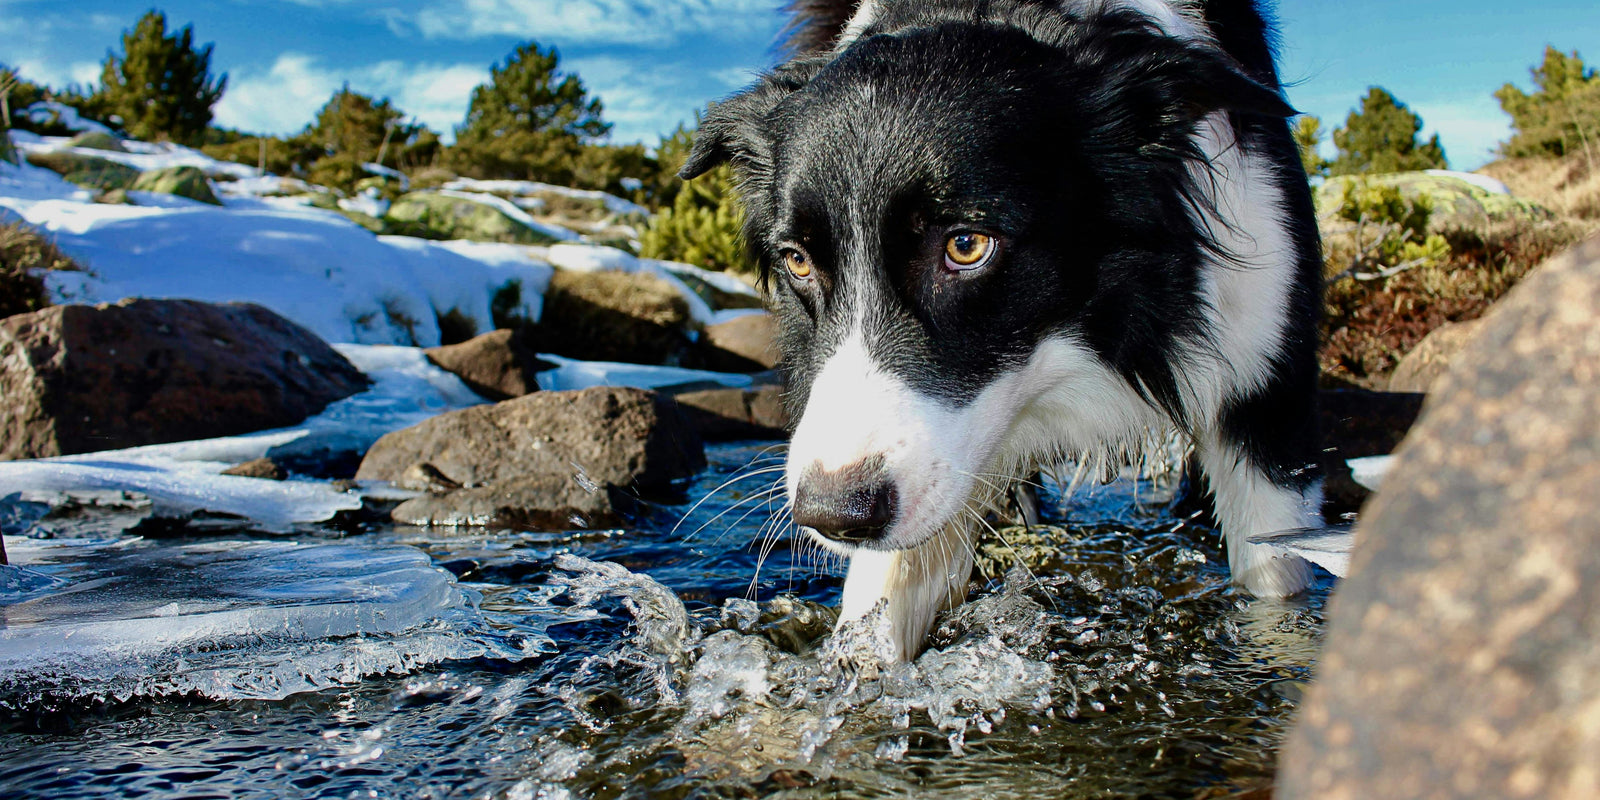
<point>853,506</point>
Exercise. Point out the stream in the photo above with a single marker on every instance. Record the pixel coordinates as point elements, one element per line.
<point>357,659</point>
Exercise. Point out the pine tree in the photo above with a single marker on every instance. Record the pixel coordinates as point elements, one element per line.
<point>355,125</point>
<point>1382,137</point>
<point>161,86</point>
<point>529,121</point>
<point>1308,136</point>
<point>1562,116</point>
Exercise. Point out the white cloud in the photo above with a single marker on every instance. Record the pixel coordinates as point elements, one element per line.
<point>284,98</point>
<point>642,101</point>
<point>1470,129</point>
<point>640,22</point>
<point>58,76</point>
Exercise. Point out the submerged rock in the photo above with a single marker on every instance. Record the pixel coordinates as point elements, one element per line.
<point>1463,651</point>
<point>539,461</point>
<point>499,365</point>
<point>78,379</point>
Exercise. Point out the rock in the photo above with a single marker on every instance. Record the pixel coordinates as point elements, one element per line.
<point>187,182</point>
<point>1431,357</point>
<point>1463,650</point>
<point>77,379</point>
<point>538,460</point>
<point>1459,201</point>
<point>87,171</point>
<point>447,217</point>
<point>1356,423</point>
<point>264,468</point>
<point>724,415</point>
<point>743,344</point>
<point>98,140</point>
<point>614,316</point>
<point>499,365</point>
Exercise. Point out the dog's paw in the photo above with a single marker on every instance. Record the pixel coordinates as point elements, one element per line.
<point>1271,572</point>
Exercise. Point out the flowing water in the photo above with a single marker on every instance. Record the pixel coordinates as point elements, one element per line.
<point>372,661</point>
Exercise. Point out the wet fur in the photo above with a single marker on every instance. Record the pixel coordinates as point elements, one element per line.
<point>1159,265</point>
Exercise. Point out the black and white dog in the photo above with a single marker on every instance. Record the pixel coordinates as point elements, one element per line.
<point>999,233</point>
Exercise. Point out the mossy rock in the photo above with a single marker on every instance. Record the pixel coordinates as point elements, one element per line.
<point>87,171</point>
<point>367,221</point>
<point>1458,204</point>
<point>98,140</point>
<point>614,316</point>
<point>187,182</point>
<point>447,217</point>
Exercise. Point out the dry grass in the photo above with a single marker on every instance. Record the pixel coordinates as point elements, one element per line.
<point>24,254</point>
<point>1570,187</point>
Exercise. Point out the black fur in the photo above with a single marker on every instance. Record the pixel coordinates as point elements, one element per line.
<point>1067,136</point>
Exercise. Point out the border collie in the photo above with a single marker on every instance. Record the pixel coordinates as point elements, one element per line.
<point>1002,233</point>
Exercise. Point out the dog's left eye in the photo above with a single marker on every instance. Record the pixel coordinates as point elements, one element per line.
<point>968,251</point>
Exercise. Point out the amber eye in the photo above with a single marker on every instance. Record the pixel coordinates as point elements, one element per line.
<point>968,251</point>
<point>797,263</point>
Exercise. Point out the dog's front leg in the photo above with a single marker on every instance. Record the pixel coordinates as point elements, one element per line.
<point>1250,502</point>
<point>916,585</point>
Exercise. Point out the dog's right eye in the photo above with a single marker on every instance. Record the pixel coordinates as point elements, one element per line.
<point>797,263</point>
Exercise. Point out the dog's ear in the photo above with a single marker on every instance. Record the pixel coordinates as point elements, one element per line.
<point>735,129</point>
<point>1213,81</point>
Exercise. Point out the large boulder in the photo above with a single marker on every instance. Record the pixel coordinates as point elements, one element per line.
<point>98,140</point>
<point>441,216</point>
<point>723,415</point>
<point>90,172</point>
<point>76,379</point>
<point>499,365</point>
<point>614,316</point>
<point>539,460</point>
<point>1459,200</point>
<point>1463,650</point>
<point>1431,357</point>
<point>742,344</point>
<point>187,182</point>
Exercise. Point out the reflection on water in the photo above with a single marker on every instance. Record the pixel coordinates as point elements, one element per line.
<point>1121,665</point>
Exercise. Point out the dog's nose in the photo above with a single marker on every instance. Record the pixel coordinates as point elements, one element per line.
<point>853,505</point>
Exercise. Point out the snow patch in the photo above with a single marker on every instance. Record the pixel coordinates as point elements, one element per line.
<point>571,375</point>
<point>1483,182</point>
<point>528,189</point>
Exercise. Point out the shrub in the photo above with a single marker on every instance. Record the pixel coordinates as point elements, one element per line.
<point>703,227</point>
<point>1308,136</point>
<point>161,86</point>
<point>24,253</point>
<point>529,122</point>
<point>283,156</point>
<point>1382,137</point>
<point>1562,116</point>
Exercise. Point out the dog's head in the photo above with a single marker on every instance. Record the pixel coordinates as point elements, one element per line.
<point>965,223</point>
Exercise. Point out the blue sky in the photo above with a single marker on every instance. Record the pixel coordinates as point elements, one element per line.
<point>654,62</point>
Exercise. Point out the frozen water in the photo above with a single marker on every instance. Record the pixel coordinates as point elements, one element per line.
<point>1328,548</point>
<point>571,374</point>
<point>181,478</point>
<point>232,619</point>
<point>1369,471</point>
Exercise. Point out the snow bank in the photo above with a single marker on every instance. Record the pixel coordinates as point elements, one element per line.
<point>41,113</point>
<point>1483,182</point>
<point>613,203</point>
<point>143,156</point>
<point>313,266</point>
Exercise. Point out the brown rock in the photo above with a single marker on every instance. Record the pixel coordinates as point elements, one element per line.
<point>77,379</point>
<point>264,468</point>
<point>1463,650</point>
<point>543,457</point>
<point>498,365</point>
<point>723,415</point>
<point>613,316</point>
<point>1431,357</point>
<point>743,344</point>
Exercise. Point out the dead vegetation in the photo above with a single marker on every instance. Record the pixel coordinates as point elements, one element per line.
<point>25,254</point>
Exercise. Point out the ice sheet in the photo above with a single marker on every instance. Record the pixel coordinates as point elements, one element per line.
<point>233,619</point>
<point>570,374</point>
